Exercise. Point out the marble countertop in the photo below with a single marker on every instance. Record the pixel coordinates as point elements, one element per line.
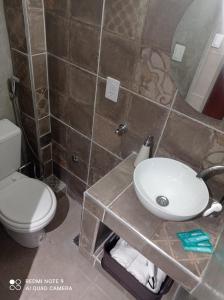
<point>113,200</point>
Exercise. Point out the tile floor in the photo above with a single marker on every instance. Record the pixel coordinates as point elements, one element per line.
<point>57,258</point>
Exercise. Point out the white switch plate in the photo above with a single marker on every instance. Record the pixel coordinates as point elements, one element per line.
<point>112,89</point>
<point>178,52</point>
<point>218,39</point>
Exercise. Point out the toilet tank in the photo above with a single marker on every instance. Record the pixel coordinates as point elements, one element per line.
<point>10,148</point>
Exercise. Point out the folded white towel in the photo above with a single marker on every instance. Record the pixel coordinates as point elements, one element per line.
<point>123,253</point>
<point>141,269</point>
<point>159,278</point>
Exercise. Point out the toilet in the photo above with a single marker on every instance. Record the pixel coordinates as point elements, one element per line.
<point>26,205</point>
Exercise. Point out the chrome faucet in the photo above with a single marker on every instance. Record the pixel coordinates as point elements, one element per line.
<point>122,129</point>
<point>205,175</point>
<point>210,172</point>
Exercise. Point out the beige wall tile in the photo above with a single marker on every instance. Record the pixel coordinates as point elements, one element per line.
<point>125,17</point>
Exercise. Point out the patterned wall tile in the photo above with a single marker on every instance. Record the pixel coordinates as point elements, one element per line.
<point>125,17</point>
<point>153,76</point>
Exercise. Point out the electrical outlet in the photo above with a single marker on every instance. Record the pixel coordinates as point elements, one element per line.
<point>178,53</point>
<point>217,41</point>
<point>112,89</point>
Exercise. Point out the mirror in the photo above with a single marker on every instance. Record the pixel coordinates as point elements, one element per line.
<point>197,62</point>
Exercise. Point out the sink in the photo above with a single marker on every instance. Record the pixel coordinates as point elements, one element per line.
<point>169,189</point>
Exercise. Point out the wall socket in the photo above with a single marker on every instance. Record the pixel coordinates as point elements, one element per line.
<point>112,89</point>
<point>178,53</point>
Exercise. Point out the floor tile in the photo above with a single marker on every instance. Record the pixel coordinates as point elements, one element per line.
<point>57,258</point>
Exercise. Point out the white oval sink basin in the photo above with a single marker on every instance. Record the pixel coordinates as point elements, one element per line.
<point>169,189</point>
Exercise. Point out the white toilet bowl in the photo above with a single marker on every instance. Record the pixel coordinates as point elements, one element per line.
<point>26,207</point>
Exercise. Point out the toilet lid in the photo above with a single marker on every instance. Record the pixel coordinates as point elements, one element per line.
<point>26,201</point>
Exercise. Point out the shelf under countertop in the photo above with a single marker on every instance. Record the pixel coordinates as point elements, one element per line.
<point>113,201</point>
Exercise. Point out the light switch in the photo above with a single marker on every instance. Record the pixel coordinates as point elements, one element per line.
<point>178,53</point>
<point>112,89</point>
<point>218,39</point>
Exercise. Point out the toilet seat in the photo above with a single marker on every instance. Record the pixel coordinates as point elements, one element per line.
<point>27,205</point>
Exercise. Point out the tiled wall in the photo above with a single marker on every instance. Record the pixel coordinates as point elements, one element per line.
<point>129,40</point>
<point>6,110</point>
<point>26,29</point>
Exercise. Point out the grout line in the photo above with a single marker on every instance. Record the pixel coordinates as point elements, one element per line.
<point>28,116</point>
<point>145,98</point>
<point>115,168</point>
<point>38,54</point>
<point>86,137</point>
<point>46,162</point>
<point>70,127</point>
<point>46,133</point>
<point>198,121</point>
<point>72,174</point>
<point>105,149</point>
<point>165,124</point>
<point>96,90</point>
<point>119,195</point>
<point>20,52</point>
<point>72,64</point>
<point>47,116</point>
<point>95,199</point>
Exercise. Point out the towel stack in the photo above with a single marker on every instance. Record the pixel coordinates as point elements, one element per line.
<point>137,265</point>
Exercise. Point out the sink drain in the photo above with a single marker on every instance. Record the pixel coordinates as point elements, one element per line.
<point>162,201</point>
